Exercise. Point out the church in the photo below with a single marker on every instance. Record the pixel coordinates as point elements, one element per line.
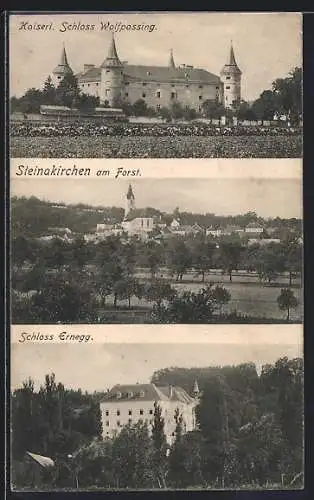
<point>134,403</point>
<point>116,82</point>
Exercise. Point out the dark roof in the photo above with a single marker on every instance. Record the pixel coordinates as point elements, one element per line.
<point>156,73</point>
<point>63,66</point>
<point>138,213</point>
<point>148,392</point>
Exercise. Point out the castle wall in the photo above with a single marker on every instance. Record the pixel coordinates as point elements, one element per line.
<point>110,86</point>
<point>155,94</point>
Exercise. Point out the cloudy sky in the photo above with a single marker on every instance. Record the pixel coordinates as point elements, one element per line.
<point>267,45</point>
<point>267,197</point>
<point>99,366</point>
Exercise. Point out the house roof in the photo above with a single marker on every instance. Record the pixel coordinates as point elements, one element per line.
<point>63,67</point>
<point>155,74</point>
<point>44,462</point>
<point>147,392</point>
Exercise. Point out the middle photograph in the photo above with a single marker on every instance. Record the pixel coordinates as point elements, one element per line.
<point>174,242</point>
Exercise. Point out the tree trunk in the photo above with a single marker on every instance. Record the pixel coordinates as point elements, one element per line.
<point>290,278</point>
<point>115,300</point>
<point>230,275</point>
<point>129,300</point>
<point>203,276</point>
<point>288,314</point>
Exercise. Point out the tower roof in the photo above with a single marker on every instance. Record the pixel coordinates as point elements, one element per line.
<point>63,67</point>
<point>171,60</point>
<point>112,59</point>
<point>195,388</point>
<point>231,65</point>
<point>130,194</point>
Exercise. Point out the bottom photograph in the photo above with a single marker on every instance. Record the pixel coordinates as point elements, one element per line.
<point>216,408</point>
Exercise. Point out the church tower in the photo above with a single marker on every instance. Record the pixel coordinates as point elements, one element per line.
<point>62,69</point>
<point>129,202</point>
<point>171,60</point>
<point>111,78</point>
<point>231,79</point>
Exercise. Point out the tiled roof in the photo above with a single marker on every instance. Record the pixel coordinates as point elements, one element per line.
<point>138,213</point>
<point>147,392</point>
<point>155,74</point>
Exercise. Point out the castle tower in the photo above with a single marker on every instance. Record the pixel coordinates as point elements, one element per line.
<point>129,202</point>
<point>231,79</point>
<point>62,69</point>
<point>111,78</point>
<point>171,60</point>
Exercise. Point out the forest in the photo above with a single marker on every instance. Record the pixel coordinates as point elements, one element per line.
<point>249,434</point>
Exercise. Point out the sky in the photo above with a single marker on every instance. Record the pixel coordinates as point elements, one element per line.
<point>269,198</point>
<point>99,366</point>
<point>267,45</point>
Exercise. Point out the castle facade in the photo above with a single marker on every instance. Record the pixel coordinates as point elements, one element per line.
<point>130,404</point>
<point>116,82</point>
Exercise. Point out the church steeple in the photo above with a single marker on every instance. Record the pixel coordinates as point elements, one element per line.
<point>231,65</point>
<point>196,390</point>
<point>171,60</point>
<point>130,201</point>
<point>231,79</point>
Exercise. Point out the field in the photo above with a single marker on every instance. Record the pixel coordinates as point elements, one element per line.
<point>248,297</point>
<point>158,147</point>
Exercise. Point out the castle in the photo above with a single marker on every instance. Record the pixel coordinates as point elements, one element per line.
<point>130,404</point>
<point>116,82</point>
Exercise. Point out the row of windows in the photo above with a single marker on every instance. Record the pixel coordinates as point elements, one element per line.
<point>130,412</point>
<point>173,95</point>
<point>150,422</point>
<point>144,84</point>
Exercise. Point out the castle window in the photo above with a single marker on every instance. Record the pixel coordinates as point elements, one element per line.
<point>200,86</point>
<point>228,87</point>
<point>172,95</point>
<point>130,394</point>
<point>130,412</point>
<point>200,97</point>
<point>144,84</point>
<point>97,84</point>
<point>107,423</point>
<point>118,413</point>
<point>126,94</point>
<point>141,412</point>
<point>107,413</point>
<point>158,107</point>
<point>118,423</point>
<point>142,394</point>
<point>107,70</point>
<point>227,77</point>
<point>217,88</point>
<point>88,85</point>
<point>151,412</point>
<point>59,77</point>
<point>148,73</point>
<point>158,94</point>
<point>143,94</point>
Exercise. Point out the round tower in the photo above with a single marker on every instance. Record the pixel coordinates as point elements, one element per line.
<point>61,70</point>
<point>111,78</point>
<point>231,79</point>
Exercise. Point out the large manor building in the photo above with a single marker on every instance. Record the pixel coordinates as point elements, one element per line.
<point>130,404</point>
<point>116,82</point>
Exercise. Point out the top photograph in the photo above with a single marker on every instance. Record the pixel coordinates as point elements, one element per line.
<point>155,85</point>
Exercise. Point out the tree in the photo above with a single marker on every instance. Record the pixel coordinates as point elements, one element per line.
<point>160,446</point>
<point>188,307</point>
<point>266,106</point>
<point>288,92</point>
<point>67,92</point>
<point>213,109</point>
<point>139,108</point>
<point>49,92</point>
<point>244,111</point>
<point>230,256</point>
<point>158,291</point>
<point>180,259</point>
<point>133,458</point>
<point>203,257</point>
<point>221,296</point>
<point>287,301</point>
